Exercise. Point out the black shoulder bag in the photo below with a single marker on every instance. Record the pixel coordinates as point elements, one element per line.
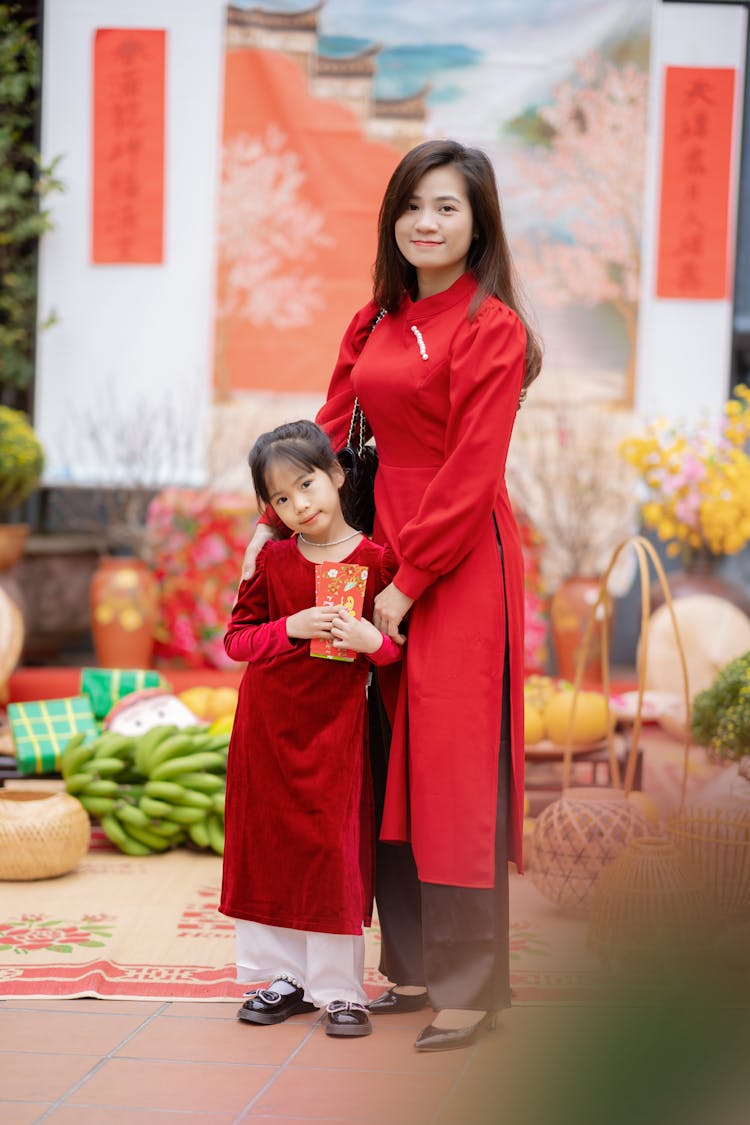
<point>360,463</point>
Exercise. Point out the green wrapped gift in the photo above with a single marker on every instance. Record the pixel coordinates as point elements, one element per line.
<point>41,730</point>
<point>106,686</point>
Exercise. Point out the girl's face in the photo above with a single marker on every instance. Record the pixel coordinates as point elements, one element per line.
<point>435,231</point>
<point>307,500</point>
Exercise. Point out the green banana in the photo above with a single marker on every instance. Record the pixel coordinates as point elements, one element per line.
<point>112,744</point>
<point>219,802</point>
<point>149,839</point>
<point>115,832</point>
<point>177,744</point>
<point>131,815</point>
<point>99,806</point>
<point>202,782</point>
<point>215,833</point>
<point>168,828</point>
<point>100,787</point>
<point>198,833</point>
<point>154,809</point>
<point>176,794</point>
<point>74,755</point>
<point>106,767</point>
<point>76,783</point>
<point>147,743</point>
<point>185,814</point>
<point>202,760</point>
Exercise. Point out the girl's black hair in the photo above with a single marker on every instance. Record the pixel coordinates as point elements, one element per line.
<point>303,443</point>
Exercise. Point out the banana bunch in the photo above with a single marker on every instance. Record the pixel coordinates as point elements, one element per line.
<point>153,791</point>
<point>186,781</point>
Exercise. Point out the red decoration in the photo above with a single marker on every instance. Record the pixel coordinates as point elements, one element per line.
<point>693,247</point>
<point>197,540</point>
<point>128,146</point>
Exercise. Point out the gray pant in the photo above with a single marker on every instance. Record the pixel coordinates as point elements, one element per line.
<point>452,939</point>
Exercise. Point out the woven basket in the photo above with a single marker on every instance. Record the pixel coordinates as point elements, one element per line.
<point>41,835</point>
<point>648,905</point>
<point>576,837</point>
<point>579,835</point>
<point>715,843</point>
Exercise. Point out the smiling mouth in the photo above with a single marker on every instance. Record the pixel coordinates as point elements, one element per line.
<point>309,519</point>
<point>425,242</point>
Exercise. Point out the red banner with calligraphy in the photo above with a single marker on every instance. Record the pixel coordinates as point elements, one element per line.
<point>128,146</point>
<point>693,246</point>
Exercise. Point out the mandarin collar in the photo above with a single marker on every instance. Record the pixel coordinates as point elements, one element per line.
<point>463,287</point>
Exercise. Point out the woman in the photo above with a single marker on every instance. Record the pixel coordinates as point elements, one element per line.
<point>440,379</point>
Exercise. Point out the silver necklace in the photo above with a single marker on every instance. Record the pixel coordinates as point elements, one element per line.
<point>333,543</point>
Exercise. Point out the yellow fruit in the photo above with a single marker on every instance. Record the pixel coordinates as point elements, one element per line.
<point>198,700</point>
<point>222,725</point>
<point>590,721</point>
<point>224,701</point>
<point>648,807</point>
<point>533,725</point>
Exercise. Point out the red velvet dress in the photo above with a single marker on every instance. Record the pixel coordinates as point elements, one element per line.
<point>299,820</point>
<point>440,392</point>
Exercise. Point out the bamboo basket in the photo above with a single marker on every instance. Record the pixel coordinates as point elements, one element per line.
<point>648,906</point>
<point>41,834</point>
<point>715,842</point>
<point>585,830</point>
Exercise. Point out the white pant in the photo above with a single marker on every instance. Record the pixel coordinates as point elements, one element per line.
<point>330,966</point>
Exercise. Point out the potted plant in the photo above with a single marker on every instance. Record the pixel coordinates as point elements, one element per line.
<point>21,465</point>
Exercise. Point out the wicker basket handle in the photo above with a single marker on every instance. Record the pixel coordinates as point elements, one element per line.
<point>645,551</point>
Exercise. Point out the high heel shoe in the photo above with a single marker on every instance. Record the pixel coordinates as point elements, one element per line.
<point>396,1003</point>
<point>451,1038</point>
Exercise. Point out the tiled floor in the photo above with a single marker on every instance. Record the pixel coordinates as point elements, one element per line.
<point>89,1061</point>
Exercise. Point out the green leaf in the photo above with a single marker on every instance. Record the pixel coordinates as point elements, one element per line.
<point>60,948</point>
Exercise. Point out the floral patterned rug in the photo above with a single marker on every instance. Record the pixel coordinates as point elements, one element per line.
<point>123,928</point>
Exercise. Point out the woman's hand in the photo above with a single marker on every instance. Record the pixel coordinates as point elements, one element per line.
<point>391,606</point>
<point>263,533</point>
<point>358,635</point>
<point>308,623</point>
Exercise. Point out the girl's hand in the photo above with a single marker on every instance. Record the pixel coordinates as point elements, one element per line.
<point>309,623</point>
<point>348,632</point>
<point>391,606</point>
<point>263,533</point>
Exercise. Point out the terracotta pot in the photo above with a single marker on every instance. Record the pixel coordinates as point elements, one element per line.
<point>13,538</point>
<point>124,602</point>
<point>570,608</point>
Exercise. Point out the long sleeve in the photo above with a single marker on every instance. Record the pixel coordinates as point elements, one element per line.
<point>250,636</point>
<point>486,373</point>
<point>388,653</point>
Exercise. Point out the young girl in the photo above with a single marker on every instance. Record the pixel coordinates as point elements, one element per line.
<point>298,859</point>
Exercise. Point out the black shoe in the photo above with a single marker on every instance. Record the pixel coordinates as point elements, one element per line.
<point>397,1003</point>
<point>268,1006</point>
<point>347,1019</point>
<point>450,1039</point>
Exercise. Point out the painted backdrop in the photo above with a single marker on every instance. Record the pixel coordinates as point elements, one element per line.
<point>320,103</point>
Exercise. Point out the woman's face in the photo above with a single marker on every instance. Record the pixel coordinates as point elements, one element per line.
<point>435,231</point>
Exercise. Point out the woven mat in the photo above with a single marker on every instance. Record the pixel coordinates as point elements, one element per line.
<point>123,928</point>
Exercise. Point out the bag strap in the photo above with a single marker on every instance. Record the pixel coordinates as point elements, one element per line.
<point>358,420</point>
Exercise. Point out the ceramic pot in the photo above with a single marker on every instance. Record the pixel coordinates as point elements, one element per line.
<point>702,576</point>
<point>570,609</point>
<point>124,604</point>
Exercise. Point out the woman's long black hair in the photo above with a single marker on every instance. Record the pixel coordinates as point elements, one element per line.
<point>489,255</point>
